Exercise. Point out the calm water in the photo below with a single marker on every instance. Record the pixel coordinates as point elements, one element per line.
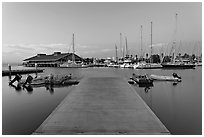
<point>179,106</point>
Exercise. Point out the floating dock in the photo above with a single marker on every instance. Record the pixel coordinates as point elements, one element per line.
<point>24,71</point>
<point>102,105</point>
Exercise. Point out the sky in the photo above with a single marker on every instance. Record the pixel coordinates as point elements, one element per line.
<point>37,27</point>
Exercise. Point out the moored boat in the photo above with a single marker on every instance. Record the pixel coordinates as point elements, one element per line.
<point>72,63</point>
<point>43,80</point>
<point>148,66</point>
<point>142,79</point>
<point>198,64</point>
<point>174,77</point>
<point>180,65</point>
<point>59,80</point>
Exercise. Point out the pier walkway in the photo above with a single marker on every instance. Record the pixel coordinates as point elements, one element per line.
<point>102,104</point>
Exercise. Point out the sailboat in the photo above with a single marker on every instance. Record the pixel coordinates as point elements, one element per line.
<point>127,60</point>
<point>179,64</point>
<point>151,65</point>
<point>72,63</point>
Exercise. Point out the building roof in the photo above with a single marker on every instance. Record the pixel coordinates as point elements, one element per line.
<point>53,57</point>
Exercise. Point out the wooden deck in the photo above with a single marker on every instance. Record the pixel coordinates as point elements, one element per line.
<point>101,105</point>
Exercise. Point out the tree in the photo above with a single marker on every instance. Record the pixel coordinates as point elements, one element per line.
<point>167,59</point>
<point>185,55</point>
<point>155,58</point>
<point>146,55</point>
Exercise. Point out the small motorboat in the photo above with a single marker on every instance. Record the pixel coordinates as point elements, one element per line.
<point>45,80</point>
<point>174,77</point>
<point>142,79</point>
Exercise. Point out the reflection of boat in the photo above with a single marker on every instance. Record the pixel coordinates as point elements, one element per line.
<point>142,79</point>
<point>175,77</point>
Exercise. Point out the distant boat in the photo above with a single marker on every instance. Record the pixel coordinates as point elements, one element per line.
<point>148,66</point>
<point>127,63</point>
<point>144,65</point>
<point>179,64</point>
<point>174,77</point>
<point>198,64</point>
<point>73,63</point>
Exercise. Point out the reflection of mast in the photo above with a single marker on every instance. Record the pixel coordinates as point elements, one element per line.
<point>73,57</point>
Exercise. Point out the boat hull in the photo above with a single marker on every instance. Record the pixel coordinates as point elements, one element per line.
<point>164,78</point>
<point>142,80</point>
<point>73,66</point>
<point>179,66</point>
<point>149,66</point>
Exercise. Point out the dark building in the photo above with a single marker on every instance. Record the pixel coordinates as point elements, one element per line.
<point>53,60</point>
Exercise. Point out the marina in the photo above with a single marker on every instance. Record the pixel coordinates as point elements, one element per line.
<point>102,68</point>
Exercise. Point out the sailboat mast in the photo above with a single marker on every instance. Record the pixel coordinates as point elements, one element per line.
<point>126,47</point>
<point>123,48</point>
<point>175,35</point>
<point>121,44</point>
<point>151,44</point>
<point>116,54</point>
<point>73,57</point>
<point>141,43</point>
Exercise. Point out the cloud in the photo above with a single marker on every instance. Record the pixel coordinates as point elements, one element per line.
<point>106,50</point>
<point>34,48</point>
<point>158,44</point>
<point>20,47</point>
<point>82,46</point>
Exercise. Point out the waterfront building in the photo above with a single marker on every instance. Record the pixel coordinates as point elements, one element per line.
<point>52,60</point>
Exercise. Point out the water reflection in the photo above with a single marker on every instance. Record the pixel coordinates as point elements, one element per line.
<point>146,89</point>
<point>16,87</point>
<point>28,88</point>
<point>50,88</point>
<point>177,105</point>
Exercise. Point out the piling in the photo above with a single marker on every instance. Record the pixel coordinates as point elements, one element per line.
<point>9,68</point>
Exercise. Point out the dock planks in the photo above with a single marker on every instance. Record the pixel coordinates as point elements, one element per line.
<point>100,106</point>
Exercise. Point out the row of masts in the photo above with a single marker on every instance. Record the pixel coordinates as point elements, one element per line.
<point>126,46</point>
<point>151,51</point>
